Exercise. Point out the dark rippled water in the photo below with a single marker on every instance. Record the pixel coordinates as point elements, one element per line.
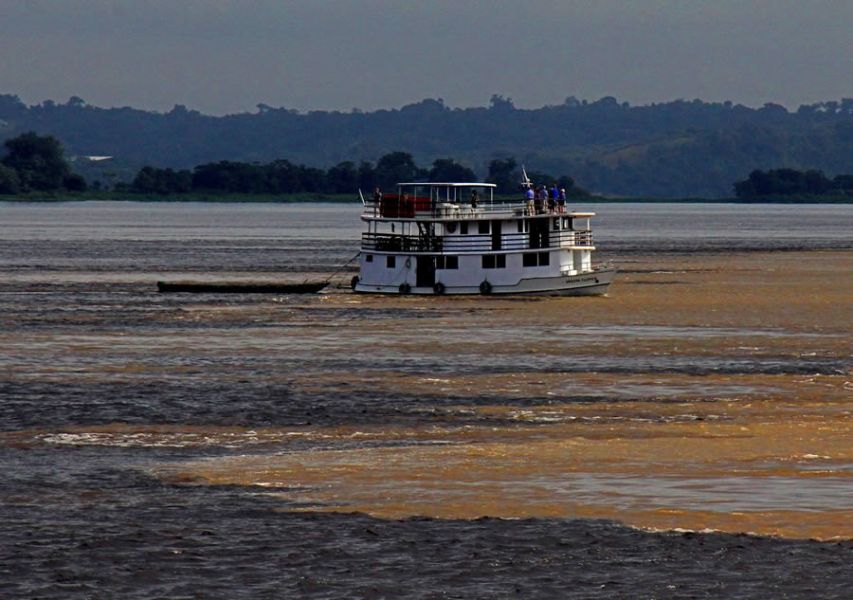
<point>103,382</point>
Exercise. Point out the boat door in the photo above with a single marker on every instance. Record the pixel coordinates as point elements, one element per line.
<point>496,235</point>
<point>425,271</point>
<point>539,233</point>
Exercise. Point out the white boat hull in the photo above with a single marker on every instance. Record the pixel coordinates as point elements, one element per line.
<point>594,283</point>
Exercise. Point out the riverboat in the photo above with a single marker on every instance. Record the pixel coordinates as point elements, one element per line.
<point>455,238</point>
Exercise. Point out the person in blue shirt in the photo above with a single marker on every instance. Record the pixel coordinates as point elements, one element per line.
<point>552,199</point>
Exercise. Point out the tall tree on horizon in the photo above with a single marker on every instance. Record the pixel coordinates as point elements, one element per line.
<point>503,173</point>
<point>447,169</point>
<point>39,163</point>
<point>397,167</point>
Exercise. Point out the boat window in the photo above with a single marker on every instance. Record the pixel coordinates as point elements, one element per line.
<point>566,223</point>
<point>463,228</point>
<point>494,261</point>
<point>446,262</point>
<point>390,262</point>
<point>368,258</point>
<point>520,226</point>
<point>556,223</point>
<point>536,259</point>
<point>484,227</point>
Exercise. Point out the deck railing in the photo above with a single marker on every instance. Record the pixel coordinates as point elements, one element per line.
<point>401,209</point>
<point>390,242</point>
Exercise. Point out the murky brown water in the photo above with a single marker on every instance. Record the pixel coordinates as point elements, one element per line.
<point>170,445</point>
<point>742,421</point>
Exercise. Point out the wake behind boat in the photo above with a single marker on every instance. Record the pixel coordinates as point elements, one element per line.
<point>454,238</point>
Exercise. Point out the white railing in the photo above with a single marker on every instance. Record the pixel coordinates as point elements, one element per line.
<point>408,209</point>
<point>510,242</point>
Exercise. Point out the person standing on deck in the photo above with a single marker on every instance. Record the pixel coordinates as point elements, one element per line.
<point>539,200</point>
<point>561,201</point>
<point>552,200</point>
<point>530,195</point>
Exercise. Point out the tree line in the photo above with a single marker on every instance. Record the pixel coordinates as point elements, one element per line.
<point>35,163</point>
<point>790,182</point>
<point>682,148</point>
<point>285,177</point>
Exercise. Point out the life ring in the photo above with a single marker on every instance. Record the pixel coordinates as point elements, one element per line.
<point>450,227</point>
<point>354,281</point>
<point>485,288</point>
<point>439,288</point>
<point>405,288</point>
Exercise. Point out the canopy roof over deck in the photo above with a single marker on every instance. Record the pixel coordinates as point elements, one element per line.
<point>449,191</point>
<point>447,184</point>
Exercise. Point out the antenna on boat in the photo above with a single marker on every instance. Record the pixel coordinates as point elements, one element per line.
<point>360,195</point>
<point>525,180</point>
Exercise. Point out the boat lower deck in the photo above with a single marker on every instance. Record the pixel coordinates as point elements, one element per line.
<point>593,283</point>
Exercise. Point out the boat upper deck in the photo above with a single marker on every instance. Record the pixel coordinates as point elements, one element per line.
<point>452,201</point>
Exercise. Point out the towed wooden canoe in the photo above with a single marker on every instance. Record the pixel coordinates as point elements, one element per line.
<point>199,287</point>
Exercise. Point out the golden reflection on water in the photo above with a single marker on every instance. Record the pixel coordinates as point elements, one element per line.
<point>715,448</point>
<point>757,472</point>
<point>763,453</point>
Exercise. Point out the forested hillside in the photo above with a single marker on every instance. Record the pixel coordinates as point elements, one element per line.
<point>674,149</point>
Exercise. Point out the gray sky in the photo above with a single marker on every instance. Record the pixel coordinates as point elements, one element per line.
<point>225,56</point>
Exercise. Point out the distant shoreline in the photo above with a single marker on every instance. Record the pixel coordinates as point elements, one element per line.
<point>353,199</point>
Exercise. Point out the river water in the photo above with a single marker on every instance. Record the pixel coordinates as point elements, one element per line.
<point>686,436</point>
